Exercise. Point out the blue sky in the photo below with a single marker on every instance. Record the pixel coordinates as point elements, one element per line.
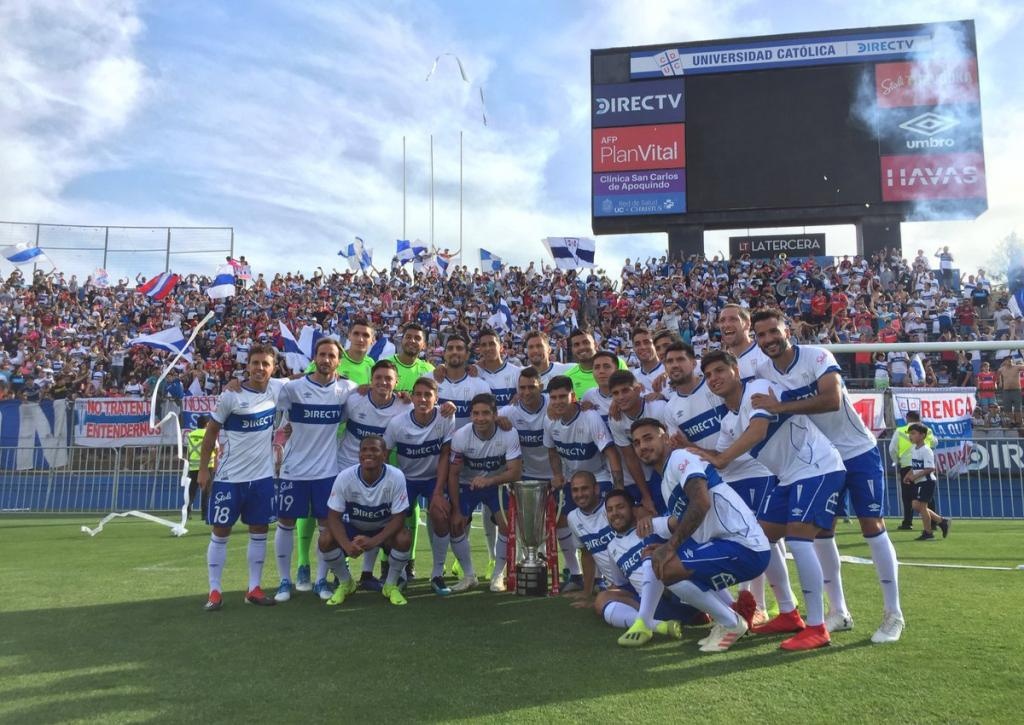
<point>285,120</point>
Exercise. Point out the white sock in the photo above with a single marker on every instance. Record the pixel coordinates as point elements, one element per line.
<point>216,555</point>
<point>756,588</point>
<point>884,556</point>
<point>828,557</point>
<point>439,546</point>
<point>321,565</point>
<point>335,561</point>
<point>256,553</point>
<point>726,596</point>
<point>619,614</point>
<point>369,559</point>
<point>396,565</point>
<point>777,575</point>
<point>460,547</point>
<point>500,556</point>
<point>490,532</point>
<point>568,544</point>
<point>284,544</point>
<point>811,579</point>
<point>708,602</point>
<point>650,594</point>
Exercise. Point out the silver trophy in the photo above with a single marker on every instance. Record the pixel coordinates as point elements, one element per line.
<point>531,537</point>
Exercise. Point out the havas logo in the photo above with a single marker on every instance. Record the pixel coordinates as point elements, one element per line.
<point>931,175</point>
<point>934,176</point>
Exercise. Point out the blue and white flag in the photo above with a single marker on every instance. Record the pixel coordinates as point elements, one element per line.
<point>436,262</point>
<point>1016,304</point>
<point>358,256</point>
<point>170,339</point>
<point>571,252</point>
<point>23,253</point>
<point>296,358</point>
<point>407,251</point>
<point>506,311</point>
<point>917,375</point>
<point>490,261</point>
<point>382,348</point>
<point>223,283</point>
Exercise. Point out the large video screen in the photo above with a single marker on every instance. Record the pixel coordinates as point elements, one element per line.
<point>822,127</point>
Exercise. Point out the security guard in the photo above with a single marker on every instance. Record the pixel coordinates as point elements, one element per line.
<point>899,450</point>
<point>194,440</point>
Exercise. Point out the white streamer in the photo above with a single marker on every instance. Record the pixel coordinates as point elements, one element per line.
<point>465,78</point>
<point>177,529</point>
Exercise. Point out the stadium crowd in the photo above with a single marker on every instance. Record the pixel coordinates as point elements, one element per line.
<point>62,338</point>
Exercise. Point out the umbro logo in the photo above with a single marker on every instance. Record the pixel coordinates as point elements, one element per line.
<point>797,512</point>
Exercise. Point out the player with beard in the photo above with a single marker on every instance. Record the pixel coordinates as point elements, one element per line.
<point>538,353</point>
<point>631,405</point>
<point>407,361</point>
<point>813,386</point>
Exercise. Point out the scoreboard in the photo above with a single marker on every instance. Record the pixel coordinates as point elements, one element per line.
<point>810,128</point>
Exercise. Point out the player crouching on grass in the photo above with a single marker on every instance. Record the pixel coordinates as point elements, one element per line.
<point>366,510</point>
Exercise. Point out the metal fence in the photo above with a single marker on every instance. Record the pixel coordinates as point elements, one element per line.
<point>101,480</point>
<point>96,480</point>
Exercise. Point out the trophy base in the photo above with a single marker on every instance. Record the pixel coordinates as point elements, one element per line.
<point>531,581</point>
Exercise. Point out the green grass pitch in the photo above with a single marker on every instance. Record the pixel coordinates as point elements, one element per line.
<point>111,629</point>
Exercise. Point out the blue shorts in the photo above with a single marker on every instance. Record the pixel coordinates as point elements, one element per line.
<point>634,491</point>
<point>865,483</point>
<point>754,491</point>
<point>294,498</point>
<point>811,500</point>
<point>252,500</point>
<point>569,505</point>
<point>353,532</point>
<point>421,488</point>
<point>469,499</point>
<point>720,563</point>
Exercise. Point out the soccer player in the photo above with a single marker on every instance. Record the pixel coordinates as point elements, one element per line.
<point>810,475</point>
<point>527,416</point>
<point>409,366</point>
<point>422,441</point>
<point>501,377</point>
<point>538,353</point>
<point>693,414</point>
<point>577,440</point>
<point>369,415</point>
<point>589,524</point>
<point>458,387</point>
<point>811,385</point>
<point>642,607</point>
<point>314,405</point>
<point>604,363</point>
<point>482,457</point>
<point>355,364</point>
<point>632,406</point>
<point>367,510</point>
<point>662,339</point>
<point>715,540</point>
<point>734,324</point>
<point>243,484</point>
<point>922,476</point>
<point>650,368</point>
<point>581,343</point>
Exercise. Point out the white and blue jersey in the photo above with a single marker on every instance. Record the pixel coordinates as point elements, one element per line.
<point>482,457</point>
<point>844,427</point>
<point>751,361</point>
<point>696,415</point>
<point>729,518</point>
<point>580,444</point>
<point>460,393</point>
<point>502,383</point>
<point>246,419</point>
<point>600,402</point>
<point>418,447</point>
<point>794,449</point>
<point>554,369</point>
<point>620,434</point>
<point>627,550</point>
<point>530,427</point>
<point>646,379</point>
<point>314,412</point>
<point>365,418</point>
<point>367,506</point>
<point>594,533</point>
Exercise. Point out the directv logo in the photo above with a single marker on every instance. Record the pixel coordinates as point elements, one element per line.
<point>628,104</point>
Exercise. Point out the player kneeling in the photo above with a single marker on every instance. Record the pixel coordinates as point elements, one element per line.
<point>366,510</point>
<point>715,540</point>
<point>641,605</point>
